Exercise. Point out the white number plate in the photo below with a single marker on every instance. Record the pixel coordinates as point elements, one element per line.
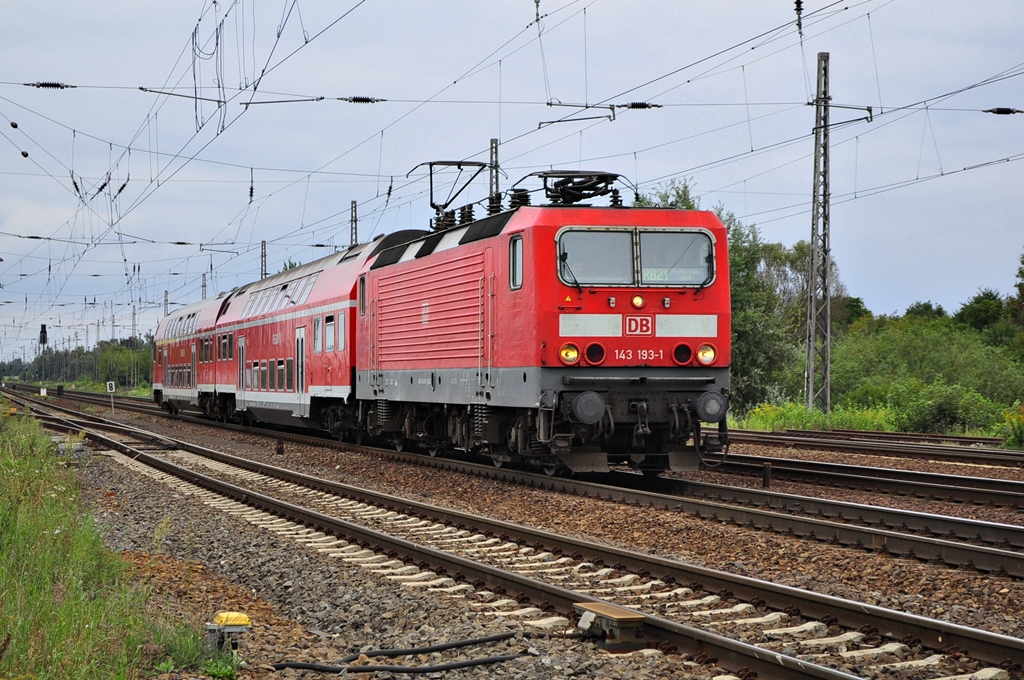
<point>641,354</point>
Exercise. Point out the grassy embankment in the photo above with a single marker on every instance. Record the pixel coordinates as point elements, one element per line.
<point>68,606</point>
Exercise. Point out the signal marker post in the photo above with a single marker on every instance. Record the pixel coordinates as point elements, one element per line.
<point>111,386</point>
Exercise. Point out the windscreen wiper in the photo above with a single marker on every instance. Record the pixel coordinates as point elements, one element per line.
<point>564,258</point>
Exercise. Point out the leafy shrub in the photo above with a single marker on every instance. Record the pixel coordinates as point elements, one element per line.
<point>1012,427</point>
<point>940,408</point>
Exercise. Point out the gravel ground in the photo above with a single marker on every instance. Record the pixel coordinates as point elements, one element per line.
<point>965,597</point>
<point>308,607</point>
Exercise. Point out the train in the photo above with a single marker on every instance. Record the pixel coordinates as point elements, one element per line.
<point>563,336</point>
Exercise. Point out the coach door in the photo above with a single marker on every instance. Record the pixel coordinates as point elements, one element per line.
<point>241,371</point>
<point>300,370</point>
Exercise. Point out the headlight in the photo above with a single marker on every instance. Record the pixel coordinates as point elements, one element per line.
<point>637,301</point>
<point>569,354</point>
<point>706,354</point>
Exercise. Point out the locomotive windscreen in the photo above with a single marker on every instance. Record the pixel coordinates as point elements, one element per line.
<point>611,257</point>
<point>673,257</point>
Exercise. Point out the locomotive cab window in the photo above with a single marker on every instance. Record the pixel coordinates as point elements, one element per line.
<point>596,257</point>
<point>362,296</point>
<point>329,333</point>
<point>675,258</point>
<point>515,263</point>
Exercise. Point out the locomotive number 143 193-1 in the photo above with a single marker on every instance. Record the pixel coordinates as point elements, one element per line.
<point>641,354</point>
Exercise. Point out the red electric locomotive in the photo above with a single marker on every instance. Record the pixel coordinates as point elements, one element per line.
<point>559,336</point>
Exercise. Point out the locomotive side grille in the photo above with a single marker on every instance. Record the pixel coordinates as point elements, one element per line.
<point>436,305</point>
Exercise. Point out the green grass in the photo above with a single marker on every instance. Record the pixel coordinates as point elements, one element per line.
<point>795,416</point>
<point>68,608</point>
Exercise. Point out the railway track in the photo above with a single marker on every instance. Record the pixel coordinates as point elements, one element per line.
<point>959,454</point>
<point>985,546</point>
<point>795,631</point>
<point>955,488</point>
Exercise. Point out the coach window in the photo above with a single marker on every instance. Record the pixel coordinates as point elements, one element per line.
<point>263,375</point>
<point>329,333</point>
<point>289,374</point>
<point>341,331</point>
<point>362,296</point>
<point>280,374</point>
<point>273,377</point>
<point>231,345</point>
<point>515,263</point>
<point>317,338</point>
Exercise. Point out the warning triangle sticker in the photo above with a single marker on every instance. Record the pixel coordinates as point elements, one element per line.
<point>568,298</point>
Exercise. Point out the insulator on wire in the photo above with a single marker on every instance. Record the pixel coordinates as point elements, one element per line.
<point>361,100</point>
<point>14,125</point>
<point>642,105</point>
<point>48,84</point>
<point>1002,111</point>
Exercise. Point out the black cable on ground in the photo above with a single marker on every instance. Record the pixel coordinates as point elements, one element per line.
<point>455,665</point>
<point>498,637</point>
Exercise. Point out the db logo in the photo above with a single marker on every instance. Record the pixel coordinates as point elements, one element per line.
<point>639,325</point>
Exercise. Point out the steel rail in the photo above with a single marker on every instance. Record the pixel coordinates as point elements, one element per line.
<point>907,520</point>
<point>897,449</point>
<point>732,654</point>
<point>911,437</point>
<point>980,490</point>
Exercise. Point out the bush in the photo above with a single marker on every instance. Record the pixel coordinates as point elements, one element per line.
<point>1012,427</point>
<point>940,408</point>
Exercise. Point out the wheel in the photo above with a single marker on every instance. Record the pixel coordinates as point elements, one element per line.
<point>498,462</point>
<point>550,469</point>
<point>399,444</point>
<point>435,451</point>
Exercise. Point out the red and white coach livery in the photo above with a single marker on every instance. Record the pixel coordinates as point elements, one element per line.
<point>557,336</point>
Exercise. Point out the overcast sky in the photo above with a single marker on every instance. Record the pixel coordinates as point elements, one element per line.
<point>927,199</point>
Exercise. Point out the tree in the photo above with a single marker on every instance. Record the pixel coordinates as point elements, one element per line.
<point>982,310</point>
<point>926,310</point>
<point>289,264</point>
<point>1015,303</point>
